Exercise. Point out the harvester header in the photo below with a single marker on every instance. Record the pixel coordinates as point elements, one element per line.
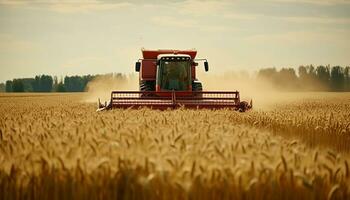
<point>167,79</point>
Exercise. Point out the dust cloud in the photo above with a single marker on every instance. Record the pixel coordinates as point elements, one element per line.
<point>101,86</point>
<point>262,92</point>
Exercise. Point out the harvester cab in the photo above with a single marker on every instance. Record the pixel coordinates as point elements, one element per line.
<point>167,79</point>
<point>169,72</point>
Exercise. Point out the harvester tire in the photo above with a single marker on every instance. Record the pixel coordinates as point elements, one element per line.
<point>243,106</point>
<point>197,86</point>
<point>147,86</point>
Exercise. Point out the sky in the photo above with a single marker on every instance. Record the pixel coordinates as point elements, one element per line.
<point>94,37</point>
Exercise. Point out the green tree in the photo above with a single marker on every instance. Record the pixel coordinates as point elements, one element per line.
<point>8,87</point>
<point>337,78</point>
<point>36,84</point>
<point>77,83</point>
<point>2,87</point>
<point>323,77</point>
<point>60,87</point>
<point>27,84</point>
<point>43,83</point>
<point>307,77</point>
<point>17,85</point>
<point>46,83</point>
<point>311,72</point>
<point>73,84</point>
<point>347,78</point>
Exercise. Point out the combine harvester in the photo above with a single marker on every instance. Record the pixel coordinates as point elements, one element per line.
<point>167,79</point>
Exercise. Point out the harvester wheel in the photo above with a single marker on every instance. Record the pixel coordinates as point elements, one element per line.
<point>147,86</point>
<point>243,106</point>
<point>197,87</point>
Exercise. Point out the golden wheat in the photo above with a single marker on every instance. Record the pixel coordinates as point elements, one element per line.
<point>55,147</point>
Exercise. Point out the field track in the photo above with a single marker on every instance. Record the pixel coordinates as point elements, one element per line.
<point>55,146</point>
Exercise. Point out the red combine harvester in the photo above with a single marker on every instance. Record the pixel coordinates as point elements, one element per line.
<point>167,79</point>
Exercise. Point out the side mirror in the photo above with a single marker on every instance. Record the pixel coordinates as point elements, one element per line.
<point>206,66</point>
<point>137,66</point>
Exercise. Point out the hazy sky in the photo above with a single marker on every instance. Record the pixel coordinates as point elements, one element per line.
<point>89,37</point>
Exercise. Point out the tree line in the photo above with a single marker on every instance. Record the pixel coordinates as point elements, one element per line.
<point>46,83</point>
<point>309,78</point>
<point>306,78</point>
<point>2,87</point>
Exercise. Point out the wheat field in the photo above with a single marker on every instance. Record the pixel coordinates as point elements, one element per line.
<point>55,146</point>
